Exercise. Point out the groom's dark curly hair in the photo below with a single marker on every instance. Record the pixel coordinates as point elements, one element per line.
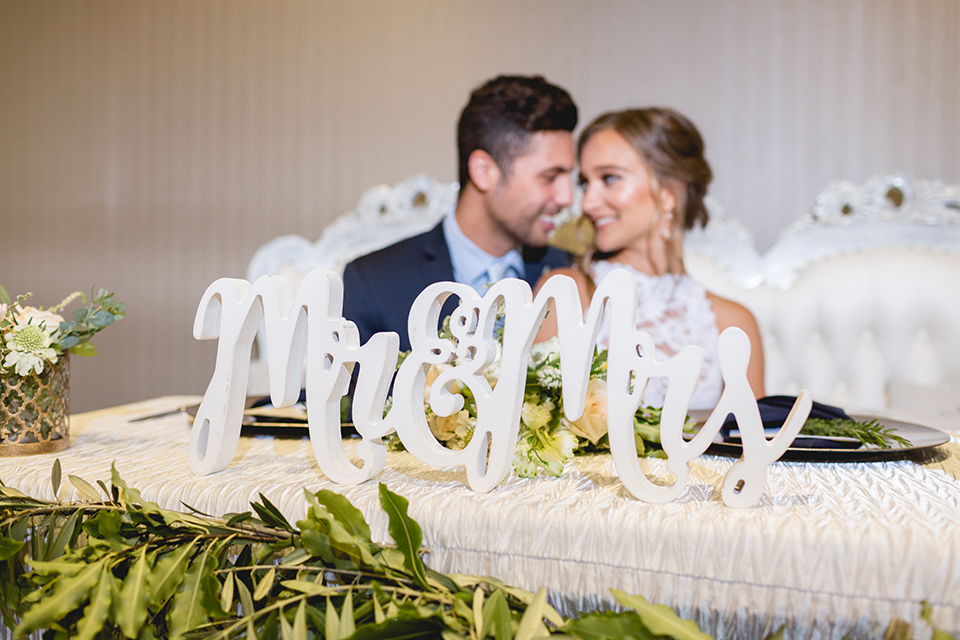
<point>503,113</point>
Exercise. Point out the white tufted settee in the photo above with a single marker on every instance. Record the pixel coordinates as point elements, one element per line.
<point>858,301</point>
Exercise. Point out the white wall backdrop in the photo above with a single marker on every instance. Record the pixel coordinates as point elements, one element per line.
<point>151,146</point>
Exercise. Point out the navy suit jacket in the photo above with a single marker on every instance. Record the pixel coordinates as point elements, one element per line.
<point>379,288</point>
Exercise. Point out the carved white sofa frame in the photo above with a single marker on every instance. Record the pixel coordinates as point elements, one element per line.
<point>858,300</point>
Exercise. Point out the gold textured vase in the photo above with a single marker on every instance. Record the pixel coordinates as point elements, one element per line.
<point>35,410</point>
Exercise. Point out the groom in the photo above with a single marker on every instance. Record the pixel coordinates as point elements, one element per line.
<point>515,147</point>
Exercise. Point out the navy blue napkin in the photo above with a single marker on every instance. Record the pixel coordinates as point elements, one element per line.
<point>773,413</point>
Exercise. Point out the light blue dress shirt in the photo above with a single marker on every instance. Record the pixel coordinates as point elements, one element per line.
<point>472,265</point>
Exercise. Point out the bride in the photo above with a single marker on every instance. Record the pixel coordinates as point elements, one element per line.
<point>644,178</point>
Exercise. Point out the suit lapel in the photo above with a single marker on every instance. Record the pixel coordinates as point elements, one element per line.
<point>436,264</point>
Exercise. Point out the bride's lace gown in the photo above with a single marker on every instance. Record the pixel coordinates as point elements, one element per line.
<point>675,311</point>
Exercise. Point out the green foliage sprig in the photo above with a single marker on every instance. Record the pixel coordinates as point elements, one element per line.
<point>88,320</point>
<point>866,431</point>
<point>120,566</point>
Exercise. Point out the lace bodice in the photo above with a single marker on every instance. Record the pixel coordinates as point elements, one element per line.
<point>675,311</point>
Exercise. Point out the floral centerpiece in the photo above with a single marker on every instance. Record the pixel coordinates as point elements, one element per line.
<point>547,439</point>
<point>35,367</point>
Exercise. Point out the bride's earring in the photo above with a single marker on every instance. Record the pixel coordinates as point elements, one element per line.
<point>667,232</point>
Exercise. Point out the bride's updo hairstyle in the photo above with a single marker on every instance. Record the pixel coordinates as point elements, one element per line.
<point>671,147</point>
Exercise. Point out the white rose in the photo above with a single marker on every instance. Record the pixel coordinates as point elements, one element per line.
<point>450,429</point>
<point>46,320</point>
<point>592,425</point>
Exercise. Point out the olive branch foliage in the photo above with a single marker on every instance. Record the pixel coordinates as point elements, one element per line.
<point>116,565</point>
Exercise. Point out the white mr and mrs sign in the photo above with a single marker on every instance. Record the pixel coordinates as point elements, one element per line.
<point>310,321</point>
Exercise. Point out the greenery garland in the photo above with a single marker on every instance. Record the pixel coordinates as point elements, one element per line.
<point>120,566</point>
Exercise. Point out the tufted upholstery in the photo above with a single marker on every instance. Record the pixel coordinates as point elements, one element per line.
<point>854,326</point>
<point>864,311</point>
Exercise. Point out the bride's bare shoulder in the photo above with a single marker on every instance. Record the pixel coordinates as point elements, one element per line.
<point>732,314</point>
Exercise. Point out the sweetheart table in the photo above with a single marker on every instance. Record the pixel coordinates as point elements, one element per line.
<point>831,550</point>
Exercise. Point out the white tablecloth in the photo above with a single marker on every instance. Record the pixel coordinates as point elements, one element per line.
<point>831,550</point>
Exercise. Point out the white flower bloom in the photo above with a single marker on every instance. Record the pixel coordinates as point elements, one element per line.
<point>543,350</point>
<point>558,446</point>
<point>3,310</point>
<point>523,462</point>
<point>535,414</point>
<point>541,449</point>
<point>453,429</point>
<point>29,346</point>
<point>592,425</point>
<point>46,320</point>
<point>549,377</point>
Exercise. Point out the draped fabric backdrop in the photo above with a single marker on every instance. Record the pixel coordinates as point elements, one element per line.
<point>151,146</point>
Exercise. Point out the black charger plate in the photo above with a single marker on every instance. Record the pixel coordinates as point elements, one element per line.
<point>921,438</point>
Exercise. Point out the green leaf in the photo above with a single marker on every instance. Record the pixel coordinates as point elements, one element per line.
<point>478,611</point>
<point>246,600</point>
<point>9,548</point>
<point>346,514</point>
<point>265,584</point>
<point>95,614</point>
<point>532,621</point>
<point>378,616</point>
<point>234,519</point>
<point>405,532</point>
<point>331,629</point>
<point>609,626</point>
<point>347,622</point>
<point>168,573</point>
<point>496,617</point>
<point>67,596</point>
<point>286,629</point>
<point>195,601</point>
<point>4,296</point>
<point>101,319</point>
<point>300,622</point>
<point>405,629</point>
<point>226,593</point>
<point>135,595</point>
<point>317,544</point>
<point>66,533</point>
<point>85,488</point>
<point>660,619</point>
<point>55,477</point>
<point>85,349</point>
<point>67,341</point>
<point>270,514</point>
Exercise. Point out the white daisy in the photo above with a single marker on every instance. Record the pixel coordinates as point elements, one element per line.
<point>29,346</point>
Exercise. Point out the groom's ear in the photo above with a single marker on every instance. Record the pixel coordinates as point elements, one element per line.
<point>483,170</point>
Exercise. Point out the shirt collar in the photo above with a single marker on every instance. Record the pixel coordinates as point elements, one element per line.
<point>470,262</point>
